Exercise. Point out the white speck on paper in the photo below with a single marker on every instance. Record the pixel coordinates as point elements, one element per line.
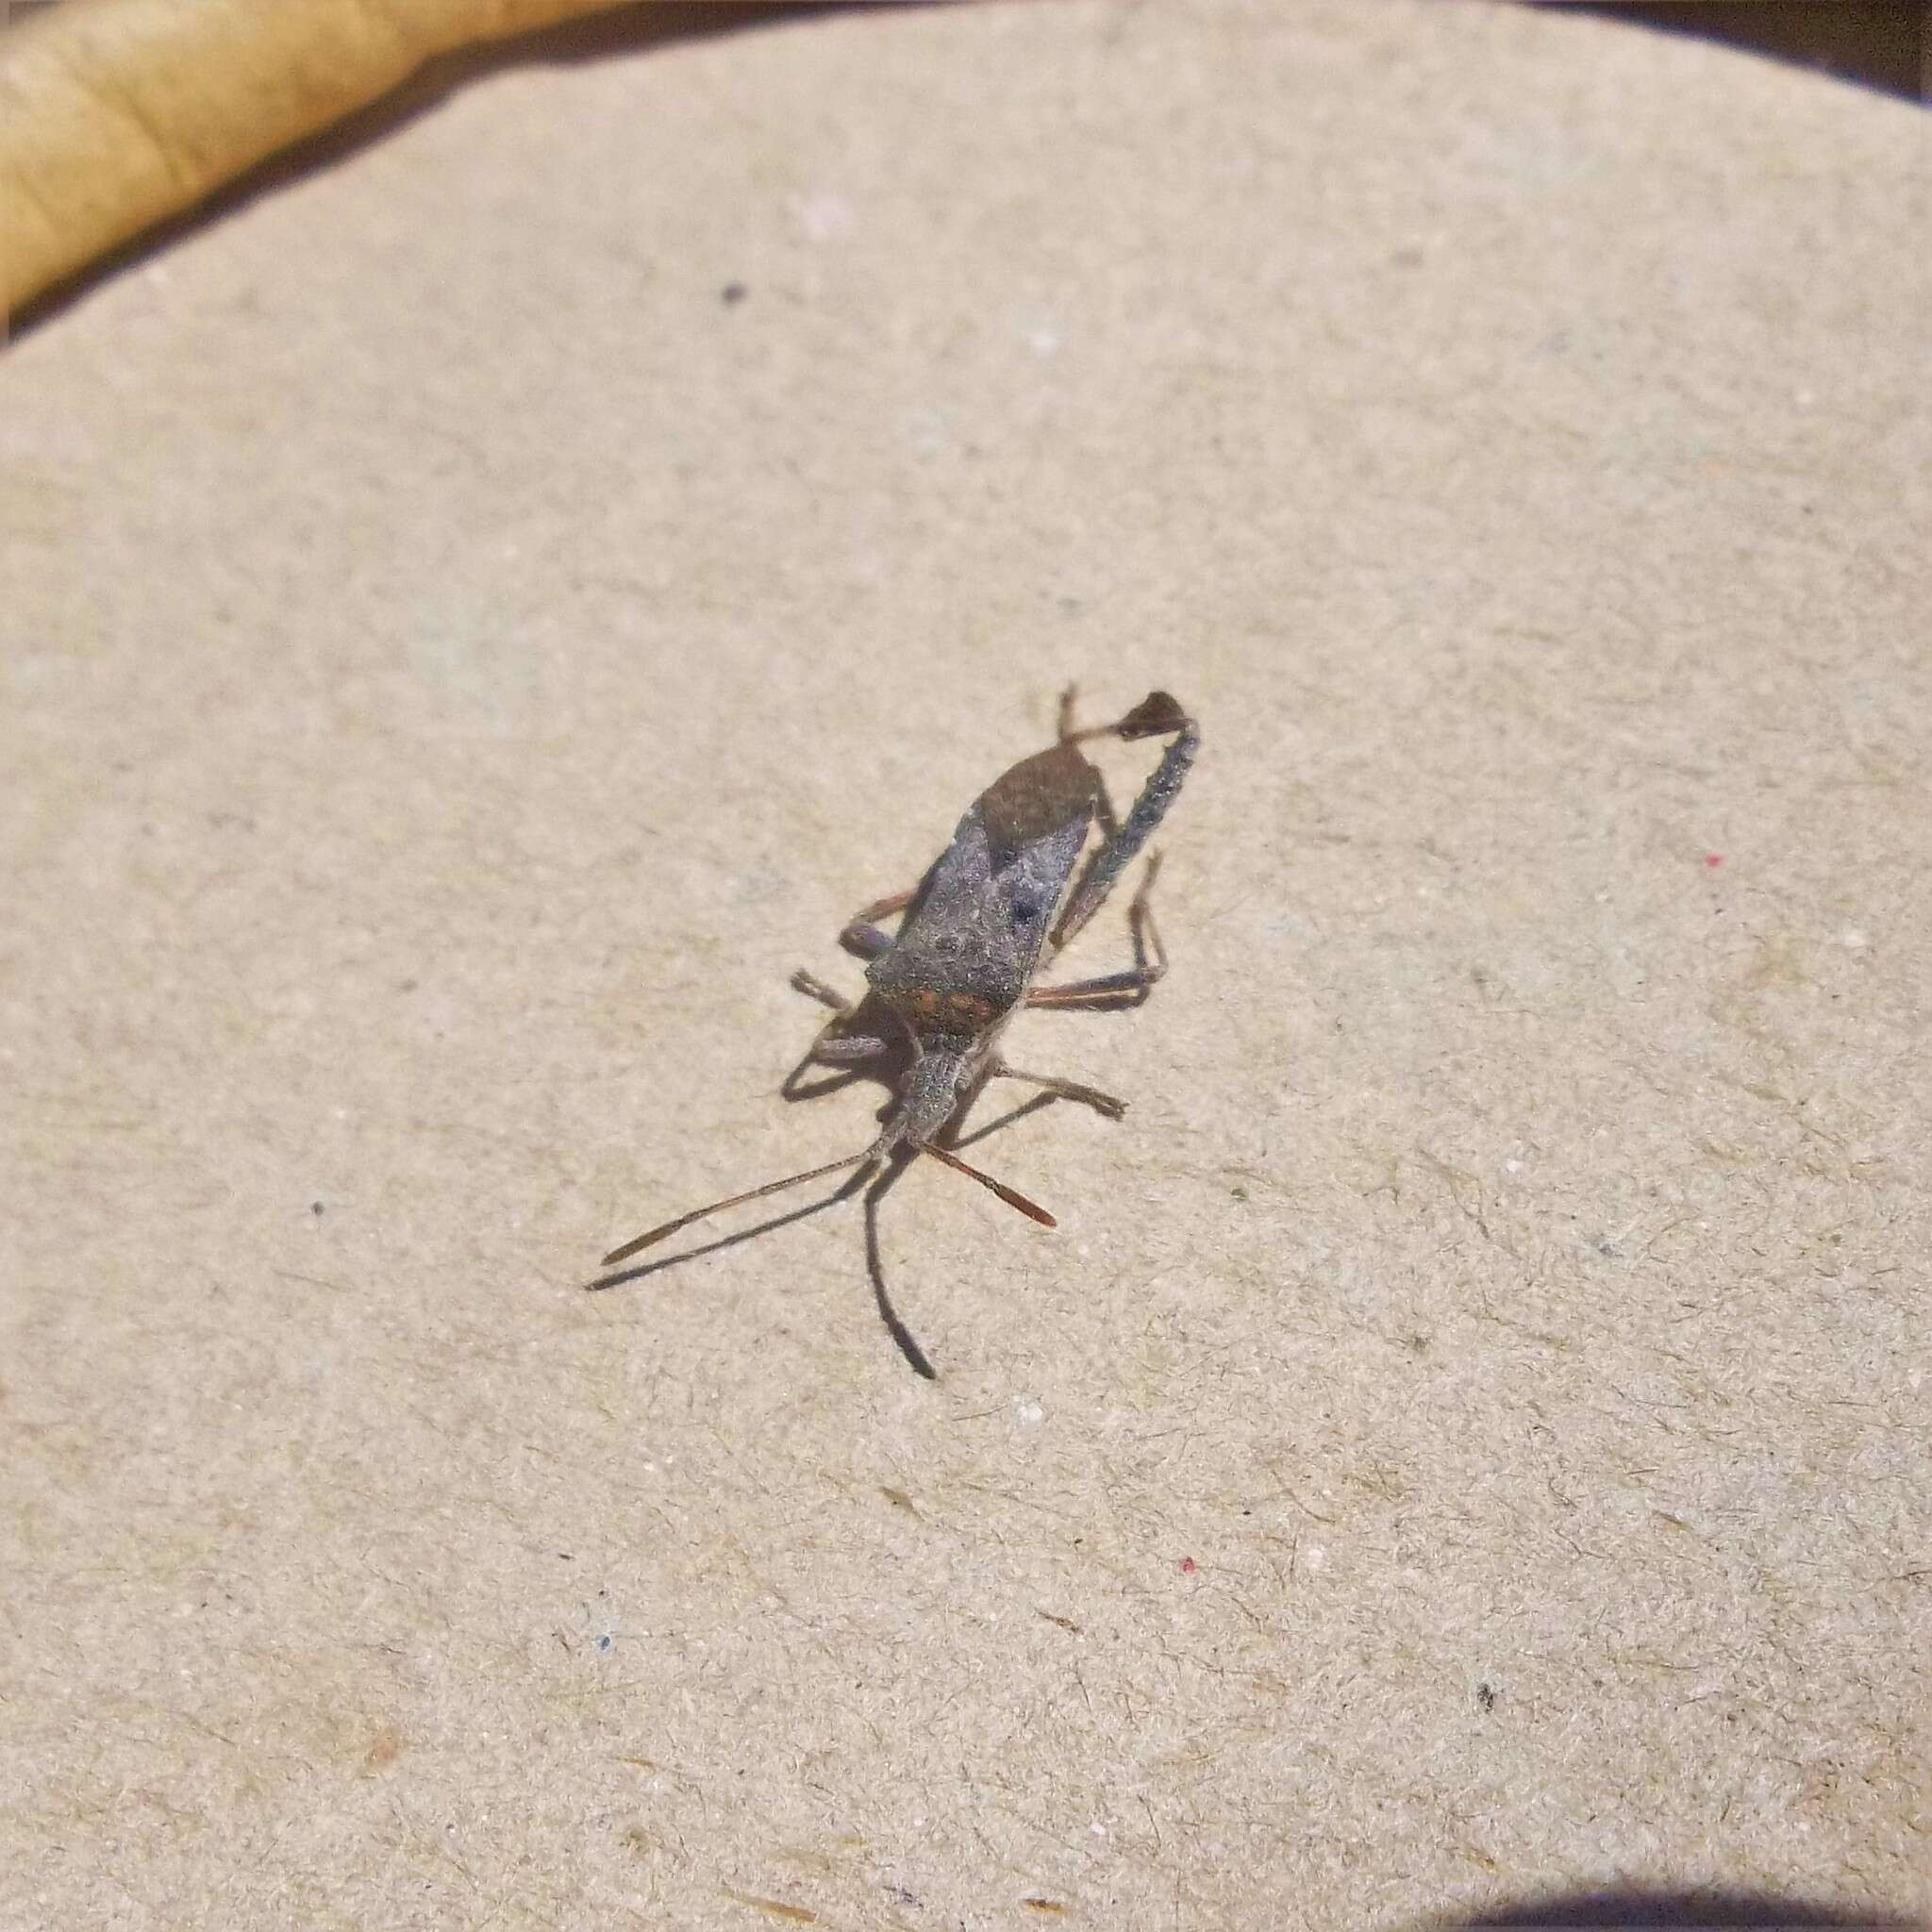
<point>928,433</point>
<point>1043,338</point>
<point>1029,1412</point>
<point>824,217</point>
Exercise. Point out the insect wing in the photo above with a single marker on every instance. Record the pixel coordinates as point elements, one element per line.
<point>1036,820</point>
<point>1038,801</point>
<point>985,908</point>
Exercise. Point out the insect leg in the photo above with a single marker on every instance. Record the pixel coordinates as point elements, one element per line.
<point>861,937</point>
<point>1066,1090</point>
<point>824,1051</point>
<point>831,1048</point>
<point>1155,716</point>
<point>844,1048</point>
<point>1119,988</point>
<point>1107,819</point>
<point>810,982</point>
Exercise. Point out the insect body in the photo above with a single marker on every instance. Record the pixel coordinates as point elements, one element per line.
<point>999,903</point>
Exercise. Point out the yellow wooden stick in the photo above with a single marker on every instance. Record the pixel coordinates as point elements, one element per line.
<point>115,114</point>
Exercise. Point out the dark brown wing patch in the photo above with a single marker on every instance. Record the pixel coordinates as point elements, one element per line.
<point>1040,796</point>
<point>1155,716</point>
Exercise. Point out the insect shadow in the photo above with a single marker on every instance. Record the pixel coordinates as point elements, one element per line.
<point>1018,880</point>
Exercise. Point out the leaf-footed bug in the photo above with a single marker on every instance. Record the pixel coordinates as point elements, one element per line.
<point>973,935</point>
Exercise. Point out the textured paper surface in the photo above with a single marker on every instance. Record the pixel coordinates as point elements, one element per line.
<point>1467,1437</point>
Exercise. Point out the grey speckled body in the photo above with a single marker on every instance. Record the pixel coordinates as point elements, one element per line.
<point>996,906</point>
<point>972,938</point>
<point>973,933</point>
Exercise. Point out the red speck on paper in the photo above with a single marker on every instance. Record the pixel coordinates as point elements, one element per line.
<point>1713,859</point>
<point>1188,1566</point>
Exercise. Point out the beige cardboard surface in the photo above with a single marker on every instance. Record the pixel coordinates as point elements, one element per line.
<point>1468,1435</point>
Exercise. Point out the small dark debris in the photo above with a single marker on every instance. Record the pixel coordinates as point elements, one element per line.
<point>1488,1696</point>
<point>1238,1193</point>
<point>315,1207</point>
<point>732,293</point>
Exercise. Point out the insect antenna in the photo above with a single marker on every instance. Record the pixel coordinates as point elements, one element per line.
<point>1011,1196</point>
<point>790,1180</point>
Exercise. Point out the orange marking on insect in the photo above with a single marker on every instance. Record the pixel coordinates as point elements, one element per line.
<point>926,1010</point>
